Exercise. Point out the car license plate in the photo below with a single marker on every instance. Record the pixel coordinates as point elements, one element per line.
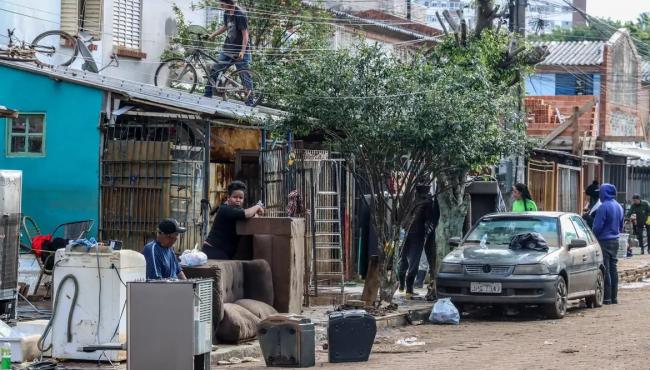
<point>489,288</point>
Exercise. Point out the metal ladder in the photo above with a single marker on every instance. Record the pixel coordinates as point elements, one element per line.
<point>328,261</point>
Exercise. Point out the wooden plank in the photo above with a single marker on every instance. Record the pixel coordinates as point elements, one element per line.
<point>558,130</point>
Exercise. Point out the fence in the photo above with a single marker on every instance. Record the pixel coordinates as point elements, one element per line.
<point>151,169</point>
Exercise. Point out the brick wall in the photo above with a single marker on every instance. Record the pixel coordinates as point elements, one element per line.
<point>542,119</point>
<point>620,117</point>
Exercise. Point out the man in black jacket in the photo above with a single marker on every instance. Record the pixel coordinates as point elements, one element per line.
<point>420,232</point>
<point>640,209</point>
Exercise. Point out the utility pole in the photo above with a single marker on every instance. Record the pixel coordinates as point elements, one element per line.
<point>518,16</point>
<point>517,10</point>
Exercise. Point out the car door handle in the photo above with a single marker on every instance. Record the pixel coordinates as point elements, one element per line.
<point>584,258</point>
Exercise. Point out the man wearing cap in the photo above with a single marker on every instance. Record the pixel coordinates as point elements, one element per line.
<point>160,257</point>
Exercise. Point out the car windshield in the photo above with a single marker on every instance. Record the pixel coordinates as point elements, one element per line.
<point>499,231</point>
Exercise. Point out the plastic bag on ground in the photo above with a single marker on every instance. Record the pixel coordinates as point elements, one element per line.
<point>444,312</point>
<point>193,257</point>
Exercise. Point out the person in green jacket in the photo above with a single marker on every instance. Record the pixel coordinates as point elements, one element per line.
<point>523,201</point>
<point>641,209</point>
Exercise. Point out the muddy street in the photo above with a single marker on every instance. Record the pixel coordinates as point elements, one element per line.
<point>613,337</point>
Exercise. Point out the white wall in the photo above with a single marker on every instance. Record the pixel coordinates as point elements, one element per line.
<point>37,16</point>
<point>29,18</point>
<point>157,14</point>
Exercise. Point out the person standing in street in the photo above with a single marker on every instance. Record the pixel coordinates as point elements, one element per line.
<point>592,192</point>
<point>414,244</point>
<point>639,212</point>
<point>523,200</point>
<point>608,225</point>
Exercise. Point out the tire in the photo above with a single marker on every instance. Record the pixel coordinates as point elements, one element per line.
<point>50,52</point>
<point>596,300</point>
<point>187,70</point>
<point>232,81</point>
<point>558,309</point>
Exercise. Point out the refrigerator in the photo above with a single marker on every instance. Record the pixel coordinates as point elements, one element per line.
<point>10,219</point>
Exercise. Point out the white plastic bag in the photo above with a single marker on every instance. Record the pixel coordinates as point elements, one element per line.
<point>193,257</point>
<point>444,312</point>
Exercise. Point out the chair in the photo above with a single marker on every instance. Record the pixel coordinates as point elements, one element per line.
<point>29,230</point>
<point>70,231</point>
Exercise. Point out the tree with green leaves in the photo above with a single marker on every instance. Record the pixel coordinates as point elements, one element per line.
<point>400,125</point>
<point>279,29</point>
<point>598,29</point>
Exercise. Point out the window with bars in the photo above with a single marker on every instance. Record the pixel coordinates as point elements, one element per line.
<point>26,135</point>
<point>82,15</point>
<point>127,23</point>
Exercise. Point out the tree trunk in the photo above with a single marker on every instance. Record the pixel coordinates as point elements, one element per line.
<point>454,204</point>
<point>371,285</point>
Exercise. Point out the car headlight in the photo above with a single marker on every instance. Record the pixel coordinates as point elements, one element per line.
<point>451,268</point>
<point>534,269</point>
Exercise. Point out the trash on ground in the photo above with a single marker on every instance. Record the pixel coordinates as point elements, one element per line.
<point>411,341</point>
<point>444,312</point>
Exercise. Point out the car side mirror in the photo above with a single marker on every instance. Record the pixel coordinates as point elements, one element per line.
<point>577,243</point>
<point>454,242</point>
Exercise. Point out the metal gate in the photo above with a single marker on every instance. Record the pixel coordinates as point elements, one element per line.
<point>568,192</point>
<point>541,182</point>
<point>152,169</point>
<point>273,168</point>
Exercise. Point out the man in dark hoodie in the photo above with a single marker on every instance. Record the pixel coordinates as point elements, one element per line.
<point>608,224</point>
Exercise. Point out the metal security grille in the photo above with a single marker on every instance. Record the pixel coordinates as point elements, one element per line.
<point>205,300</point>
<point>9,232</point>
<point>127,23</point>
<point>152,169</point>
<point>273,165</point>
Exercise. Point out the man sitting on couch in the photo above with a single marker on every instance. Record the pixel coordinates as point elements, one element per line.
<point>160,257</point>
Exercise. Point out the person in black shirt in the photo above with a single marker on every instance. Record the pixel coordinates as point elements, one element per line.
<point>222,240</point>
<point>415,239</point>
<point>236,47</point>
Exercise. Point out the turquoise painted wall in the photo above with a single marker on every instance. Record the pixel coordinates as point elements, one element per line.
<point>63,185</point>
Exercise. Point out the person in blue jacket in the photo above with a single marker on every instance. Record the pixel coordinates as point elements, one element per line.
<point>608,225</point>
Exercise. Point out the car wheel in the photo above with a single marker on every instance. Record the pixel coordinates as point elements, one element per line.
<point>557,310</point>
<point>596,300</point>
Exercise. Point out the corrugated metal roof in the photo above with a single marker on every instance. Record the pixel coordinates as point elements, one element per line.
<point>156,95</point>
<point>638,153</point>
<point>573,53</point>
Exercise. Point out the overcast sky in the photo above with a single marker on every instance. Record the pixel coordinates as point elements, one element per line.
<point>623,10</point>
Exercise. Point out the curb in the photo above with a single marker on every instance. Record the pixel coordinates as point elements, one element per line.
<point>634,275</point>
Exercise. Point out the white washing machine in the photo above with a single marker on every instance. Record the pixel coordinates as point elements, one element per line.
<point>99,315</point>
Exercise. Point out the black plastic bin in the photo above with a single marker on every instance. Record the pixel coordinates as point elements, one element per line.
<point>350,335</point>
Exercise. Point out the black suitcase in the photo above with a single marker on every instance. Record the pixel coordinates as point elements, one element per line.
<point>287,341</point>
<point>350,336</point>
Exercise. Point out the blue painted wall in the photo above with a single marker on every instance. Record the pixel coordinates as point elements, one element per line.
<point>540,84</point>
<point>63,185</point>
<point>566,84</point>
